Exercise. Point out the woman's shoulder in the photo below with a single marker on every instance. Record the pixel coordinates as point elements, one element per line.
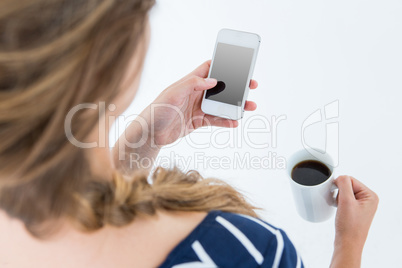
<point>225,239</point>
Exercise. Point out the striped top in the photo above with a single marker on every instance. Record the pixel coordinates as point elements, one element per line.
<point>232,240</point>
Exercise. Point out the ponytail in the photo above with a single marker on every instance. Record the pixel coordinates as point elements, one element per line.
<point>119,201</point>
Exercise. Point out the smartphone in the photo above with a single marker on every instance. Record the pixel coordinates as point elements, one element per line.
<point>232,65</point>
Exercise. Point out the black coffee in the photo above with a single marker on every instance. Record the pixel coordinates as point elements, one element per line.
<point>310,172</point>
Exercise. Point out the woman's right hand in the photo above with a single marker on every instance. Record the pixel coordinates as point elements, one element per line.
<point>357,205</point>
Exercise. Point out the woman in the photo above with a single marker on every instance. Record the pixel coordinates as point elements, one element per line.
<point>65,203</point>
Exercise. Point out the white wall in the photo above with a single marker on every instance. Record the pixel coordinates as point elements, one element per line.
<point>312,53</point>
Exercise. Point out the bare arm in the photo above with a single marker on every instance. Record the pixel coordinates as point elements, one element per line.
<point>346,254</point>
<point>135,149</point>
<point>357,205</point>
<point>175,113</point>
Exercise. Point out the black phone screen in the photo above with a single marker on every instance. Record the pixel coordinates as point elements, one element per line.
<point>231,67</point>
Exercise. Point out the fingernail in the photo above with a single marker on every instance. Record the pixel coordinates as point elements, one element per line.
<point>211,81</point>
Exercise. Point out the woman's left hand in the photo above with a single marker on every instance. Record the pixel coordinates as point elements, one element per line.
<point>177,112</point>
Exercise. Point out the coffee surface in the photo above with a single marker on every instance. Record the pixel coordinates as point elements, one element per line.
<point>310,172</point>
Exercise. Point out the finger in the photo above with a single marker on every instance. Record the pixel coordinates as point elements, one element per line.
<point>358,186</point>
<point>250,106</point>
<point>210,120</point>
<point>361,191</point>
<point>253,84</point>
<point>202,70</point>
<point>345,187</point>
<point>199,84</point>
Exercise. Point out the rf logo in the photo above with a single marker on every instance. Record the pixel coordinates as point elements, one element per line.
<point>331,112</point>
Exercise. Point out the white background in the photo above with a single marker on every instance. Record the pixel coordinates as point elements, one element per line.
<point>312,53</point>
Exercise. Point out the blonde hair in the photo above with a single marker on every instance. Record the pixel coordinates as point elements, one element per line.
<point>54,55</point>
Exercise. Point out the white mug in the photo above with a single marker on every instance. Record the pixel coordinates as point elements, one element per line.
<point>314,203</point>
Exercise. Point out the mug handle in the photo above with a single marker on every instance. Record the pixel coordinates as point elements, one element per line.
<point>334,190</point>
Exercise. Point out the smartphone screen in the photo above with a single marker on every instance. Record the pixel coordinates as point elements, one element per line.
<point>231,67</point>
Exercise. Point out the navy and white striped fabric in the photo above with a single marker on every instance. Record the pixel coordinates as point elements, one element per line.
<point>232,240</point>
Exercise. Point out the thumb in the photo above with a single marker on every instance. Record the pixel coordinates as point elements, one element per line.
<point>345,187</point>
<point>211,81</point>
<point>199,84</point>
